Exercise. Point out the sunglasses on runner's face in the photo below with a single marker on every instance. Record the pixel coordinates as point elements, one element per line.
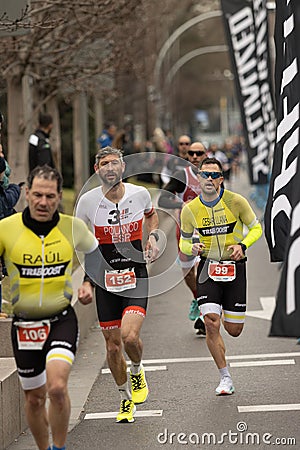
<point>213,175</point>
<point>196,152</point>
<point>184,143</point>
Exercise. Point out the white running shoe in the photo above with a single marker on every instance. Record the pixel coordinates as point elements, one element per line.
<point>225,387</point>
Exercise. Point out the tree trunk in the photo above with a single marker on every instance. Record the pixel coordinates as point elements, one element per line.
<point>55,139</point>
<point>80,141</point>
<point>98,108</point>
<point>18,110</point>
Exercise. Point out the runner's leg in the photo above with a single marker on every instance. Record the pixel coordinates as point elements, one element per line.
<point>59,408</point>
<point>36,416</point>
<point>114,355</point>
<point>130,329</point>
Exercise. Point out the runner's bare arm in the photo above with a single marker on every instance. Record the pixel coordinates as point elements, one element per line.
<point>151,248</point>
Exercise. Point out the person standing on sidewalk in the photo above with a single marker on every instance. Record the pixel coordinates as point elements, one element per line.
<point>183,187</point>
<point>39,150</point>
<point>116,211</point>
<point>219,216</point>
<point>37,246</point>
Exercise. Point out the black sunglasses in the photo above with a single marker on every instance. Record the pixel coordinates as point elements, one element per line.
<point>184,143</point>
<point>196,152</point>
<point>213,175</point>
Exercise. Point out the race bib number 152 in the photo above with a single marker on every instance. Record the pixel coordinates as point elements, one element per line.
<point>120,280</point>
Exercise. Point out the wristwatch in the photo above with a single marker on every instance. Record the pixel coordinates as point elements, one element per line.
<point>244,247</point>
<point>155,235</point>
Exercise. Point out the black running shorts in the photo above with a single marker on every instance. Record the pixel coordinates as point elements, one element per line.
<point>231,295</point>
<point>61,344</point>
<point>112,306</point>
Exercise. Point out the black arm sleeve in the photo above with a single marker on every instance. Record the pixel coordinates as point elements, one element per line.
<point>176,185</point>
<point>94,267</point>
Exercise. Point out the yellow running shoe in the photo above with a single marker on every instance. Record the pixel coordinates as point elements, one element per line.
<point>127,410</point>
<point>139,387</point>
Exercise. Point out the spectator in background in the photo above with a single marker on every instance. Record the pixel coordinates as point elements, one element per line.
<point>146,163</point>
<point>227,150</point>
<point>107,136</point>
<point>9,197</point>
<point>215,152</point>
<point>123,141</point>
<point>40,152</point>
<point>159,143</point>
<point>5,177</point>
<point>236,151</point>
<point>177,162</point>
<point>170,142</point>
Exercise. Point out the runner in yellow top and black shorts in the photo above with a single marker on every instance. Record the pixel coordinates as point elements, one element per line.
<point>38,246</point>
<point>219,216</point>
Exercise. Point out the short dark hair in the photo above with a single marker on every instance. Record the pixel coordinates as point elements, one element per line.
<point>211,161</point>
<point>47,173</point>
<point>45,119</point>
<point>108,124</point>
<point>108,151</point>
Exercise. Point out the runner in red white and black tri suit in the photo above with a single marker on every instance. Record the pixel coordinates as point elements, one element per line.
<point>117,211</point>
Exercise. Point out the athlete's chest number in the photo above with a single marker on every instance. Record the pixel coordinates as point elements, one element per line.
<point>120,280</point>
<point>221,271</point>
<point>32,335</point>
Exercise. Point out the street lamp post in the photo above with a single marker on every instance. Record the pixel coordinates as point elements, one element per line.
<point>166,46</point>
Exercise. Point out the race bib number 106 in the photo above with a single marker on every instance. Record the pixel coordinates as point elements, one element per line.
<point>32,335</point>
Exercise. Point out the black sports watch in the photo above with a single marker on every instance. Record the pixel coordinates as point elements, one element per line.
<point>155,235</point>
<point>244,247</point>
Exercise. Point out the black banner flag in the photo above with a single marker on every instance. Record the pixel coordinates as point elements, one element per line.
<point>246,27</point>
<point>282,215</point>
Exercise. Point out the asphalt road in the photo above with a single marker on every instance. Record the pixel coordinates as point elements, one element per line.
<point>182,409</point>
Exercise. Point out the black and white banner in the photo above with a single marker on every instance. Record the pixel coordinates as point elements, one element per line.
<point>246,27</point>
<point>282,215</point>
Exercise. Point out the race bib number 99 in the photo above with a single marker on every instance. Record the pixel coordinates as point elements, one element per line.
<point>32,335</point>
<point>218,271</point>
<point>120,280</point>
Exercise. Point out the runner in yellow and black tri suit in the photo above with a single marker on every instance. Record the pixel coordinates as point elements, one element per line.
<point>37,246</point>
<point>219,216</point>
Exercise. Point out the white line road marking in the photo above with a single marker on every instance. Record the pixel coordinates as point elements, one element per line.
<point>113,415</point>
<point>265,408</point>
<point>276,362</point>
<point>268,306</point>
<point>209,358</point>
<point>146,369</point>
